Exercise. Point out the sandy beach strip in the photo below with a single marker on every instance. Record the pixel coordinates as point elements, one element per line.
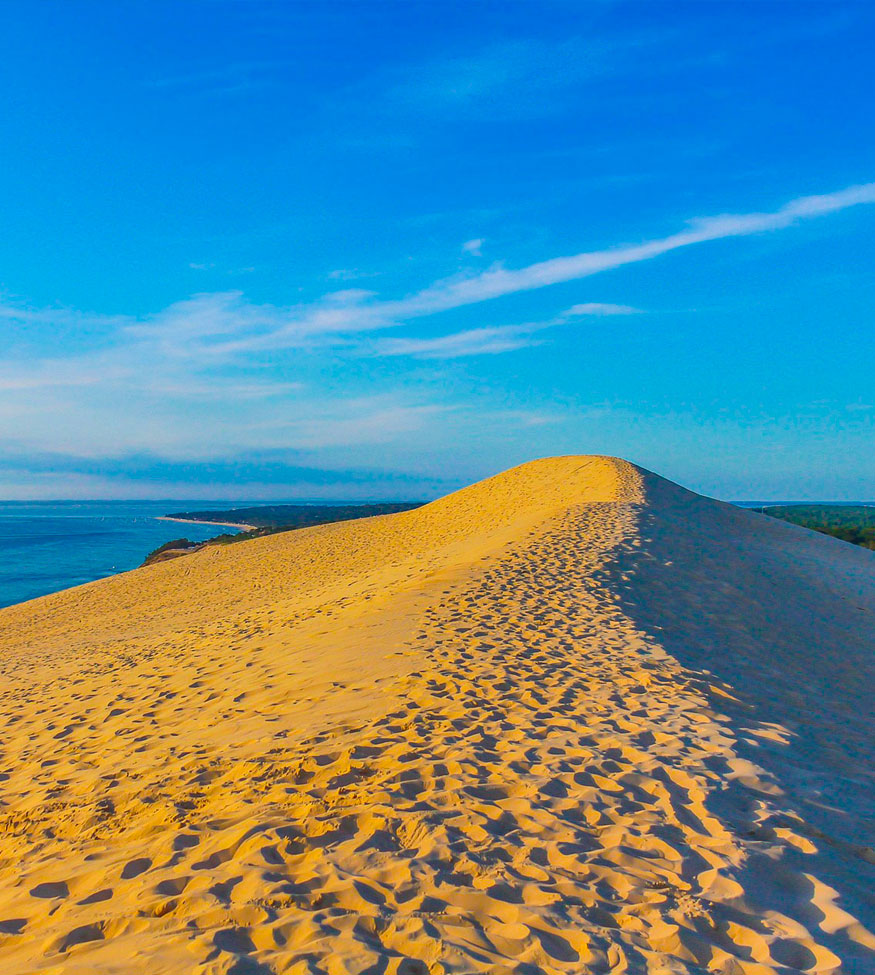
<point>197,521</point>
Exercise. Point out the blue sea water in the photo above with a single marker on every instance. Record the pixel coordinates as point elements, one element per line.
<point>50,545</point>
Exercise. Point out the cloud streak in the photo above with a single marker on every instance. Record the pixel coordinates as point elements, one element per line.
<point>475,341</point>
<point>492,341</point>
<point>500,282</point>
<point>359,311</point>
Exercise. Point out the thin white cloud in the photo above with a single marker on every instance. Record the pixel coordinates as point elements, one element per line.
<point>600,309</point>
<point>221,389</point>
<point>205,315</point>
<point>499,282</point>
<point>475,341</point>
<point>356,422</point>
<point>21,313</point>
<point>474,247</point>
<point>351,274</point>
<point>494,340</point>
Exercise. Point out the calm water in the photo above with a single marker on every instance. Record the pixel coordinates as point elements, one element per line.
<point>46,546</point>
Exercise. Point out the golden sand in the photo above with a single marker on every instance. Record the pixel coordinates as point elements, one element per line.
<point>570,719</point>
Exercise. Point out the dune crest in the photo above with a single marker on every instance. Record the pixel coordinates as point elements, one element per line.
<point>544,724</point>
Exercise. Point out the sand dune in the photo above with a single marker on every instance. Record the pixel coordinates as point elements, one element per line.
<point>570,719</point>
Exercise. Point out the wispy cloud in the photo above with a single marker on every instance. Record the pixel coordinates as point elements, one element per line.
<point>369,420</point>
<point>496,283</point>
<point>52,374</point>
<point>355,311</point>
<point>351,274</point>
<point>474,247</point>
<point>21,313</point>
<point>229,391</point>
<point>492,341</point>
<point>475,341</point>
<point>600,309</point>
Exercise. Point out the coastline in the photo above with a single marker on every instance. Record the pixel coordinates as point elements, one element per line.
<point>196,521</point>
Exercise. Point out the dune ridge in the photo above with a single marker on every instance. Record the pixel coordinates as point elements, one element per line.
<point>523,728</point>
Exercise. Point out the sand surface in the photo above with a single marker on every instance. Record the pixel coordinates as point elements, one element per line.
<point>570,719</point>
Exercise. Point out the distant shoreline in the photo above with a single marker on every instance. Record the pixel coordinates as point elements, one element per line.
<point>196,521</point>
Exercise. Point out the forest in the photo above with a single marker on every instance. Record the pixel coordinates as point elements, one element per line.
<point>850,523</point>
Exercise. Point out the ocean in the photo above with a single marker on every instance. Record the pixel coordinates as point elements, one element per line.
<point>50,545</point>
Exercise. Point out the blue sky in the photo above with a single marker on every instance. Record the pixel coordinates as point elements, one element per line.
<point>377,251</point>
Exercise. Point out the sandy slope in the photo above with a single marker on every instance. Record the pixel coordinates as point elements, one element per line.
<point>571,719</point>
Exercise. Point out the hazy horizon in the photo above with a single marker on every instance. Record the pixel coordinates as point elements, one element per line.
<point>244,502</point>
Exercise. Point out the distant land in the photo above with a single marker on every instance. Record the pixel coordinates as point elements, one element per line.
<point>850,523</point>
<point>266,520</point>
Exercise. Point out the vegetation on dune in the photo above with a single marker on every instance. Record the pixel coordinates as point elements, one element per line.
<point>850,523</point>
<point>169,550</point>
